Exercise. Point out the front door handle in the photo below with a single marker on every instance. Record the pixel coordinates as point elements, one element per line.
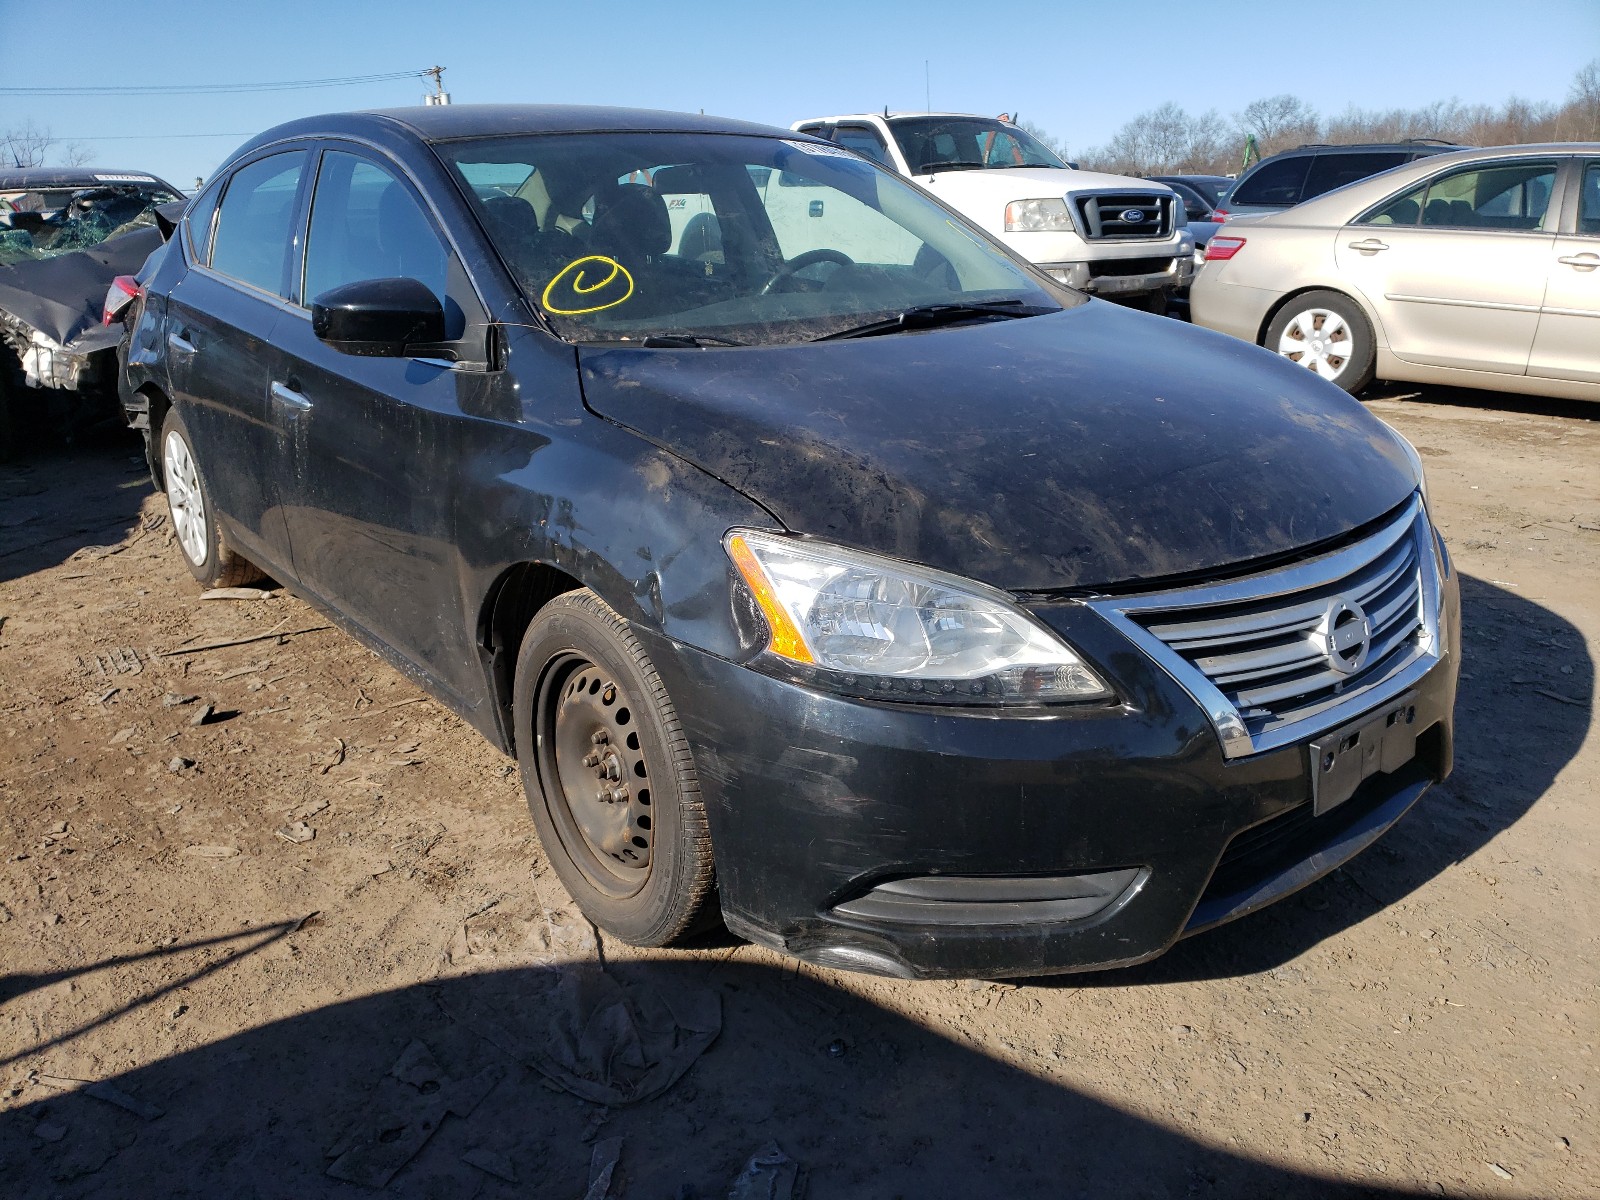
<point>1369,245</point>
<point>1584,262</point>
<point>181,344</point>
<point>285,394</point>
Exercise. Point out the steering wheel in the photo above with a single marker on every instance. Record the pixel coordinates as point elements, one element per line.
<point>801,261</point>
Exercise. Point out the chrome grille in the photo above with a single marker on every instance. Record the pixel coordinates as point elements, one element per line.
<point>1259,653</point>
<point>1119,216</point>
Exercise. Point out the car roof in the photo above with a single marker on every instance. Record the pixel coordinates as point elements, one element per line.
<point>1357,195</point>
<point>448,122</point>
<point>29,178</point>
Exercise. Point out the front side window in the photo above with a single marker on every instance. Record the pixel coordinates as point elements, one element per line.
<point>255,222</point>
<point>1277,182</point>
<point>934,144</point>
<point>366,224</point>
<point>1504,196</point>
<point>625,236</point>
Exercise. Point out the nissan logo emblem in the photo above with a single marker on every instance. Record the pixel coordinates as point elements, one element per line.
<point>1131,216</point>
<point>1344,636</point>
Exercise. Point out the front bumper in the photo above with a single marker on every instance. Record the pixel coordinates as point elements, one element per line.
<point>1099,834</point>
<point>1106,277</point>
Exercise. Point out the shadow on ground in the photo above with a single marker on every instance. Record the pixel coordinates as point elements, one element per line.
<point>43,523</point>
<point>1519,721</point>
<point>1484,400</point>
<point>871,1105</point>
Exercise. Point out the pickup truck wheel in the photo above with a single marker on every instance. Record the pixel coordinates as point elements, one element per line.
<point>608,775</point>
<point>1326,333</point>
<point>209,557</point>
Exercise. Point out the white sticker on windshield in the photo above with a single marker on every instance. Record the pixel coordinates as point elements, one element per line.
<point>124,178</point>
<point>824,150</point>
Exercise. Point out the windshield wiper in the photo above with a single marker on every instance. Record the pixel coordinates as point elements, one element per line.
<point>928,316</point>
<point>681,341</point>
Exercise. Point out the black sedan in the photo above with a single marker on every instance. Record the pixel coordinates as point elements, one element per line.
<point>821,563</point>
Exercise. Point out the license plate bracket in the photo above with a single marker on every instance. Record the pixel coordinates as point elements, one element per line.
<point>1382,741</point>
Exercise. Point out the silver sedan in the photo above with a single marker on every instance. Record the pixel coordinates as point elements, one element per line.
<point>1479,268</point>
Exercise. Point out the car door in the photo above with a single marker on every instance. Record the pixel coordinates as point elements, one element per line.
<point>1567,345</point>
<point>368,486</point>
<point>219,323</point>
<point>1456,268</point>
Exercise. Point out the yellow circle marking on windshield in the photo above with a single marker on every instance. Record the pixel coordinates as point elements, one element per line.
<point>616,277</point>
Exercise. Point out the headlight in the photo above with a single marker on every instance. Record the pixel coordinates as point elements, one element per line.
<point>872,626</point>
<point>1035,216</point>
<point>1416,462</point>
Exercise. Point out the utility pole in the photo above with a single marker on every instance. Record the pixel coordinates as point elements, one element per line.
<point>439,95</point>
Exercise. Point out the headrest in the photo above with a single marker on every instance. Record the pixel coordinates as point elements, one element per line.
<point>634,218</point>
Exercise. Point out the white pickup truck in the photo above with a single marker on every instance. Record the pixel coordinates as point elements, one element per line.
<point>1107,234</point>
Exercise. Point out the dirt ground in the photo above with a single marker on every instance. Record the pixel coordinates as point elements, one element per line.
<point>312,931</point>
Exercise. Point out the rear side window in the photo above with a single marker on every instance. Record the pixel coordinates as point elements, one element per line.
<point>1280,181</point>
<point>365,224</point>
<point>256,221</point>
<point>864,142</point>
<point>1331,171</point>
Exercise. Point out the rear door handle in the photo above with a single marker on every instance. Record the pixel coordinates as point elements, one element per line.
<point>285,394</point>
<point>180,343</point>
<point>1584,262</point>
<point>1369,245</point>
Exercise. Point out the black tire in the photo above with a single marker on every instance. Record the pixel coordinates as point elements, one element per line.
<point>609,777</point>
<point>206,553</point>
<point>1345,356</point>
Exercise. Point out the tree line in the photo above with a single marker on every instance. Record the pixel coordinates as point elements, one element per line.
<point>1171,141</point>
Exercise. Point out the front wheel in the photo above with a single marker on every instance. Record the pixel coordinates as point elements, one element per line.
<point>206,553</point>
<point>608,775</point>
<point>1326,333</point>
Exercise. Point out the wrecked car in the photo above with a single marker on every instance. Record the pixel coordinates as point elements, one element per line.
<point>855,580</point>
<point>65,235</point>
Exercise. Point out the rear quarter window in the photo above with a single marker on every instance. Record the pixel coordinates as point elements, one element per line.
<point>1279,182</point>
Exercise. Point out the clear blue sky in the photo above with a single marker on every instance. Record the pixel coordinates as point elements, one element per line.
<point>1079,69</point>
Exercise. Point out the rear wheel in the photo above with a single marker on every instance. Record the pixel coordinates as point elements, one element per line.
<point>608,775</point>
<point>209,557</point>
<point>1326,333</point>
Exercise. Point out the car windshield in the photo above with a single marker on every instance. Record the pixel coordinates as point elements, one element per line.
<point>723,239</point>
<point>933,144</point>
<point>46,222</point>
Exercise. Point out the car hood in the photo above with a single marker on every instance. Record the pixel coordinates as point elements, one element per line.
<point>63,297</point>
<point>1076,450</point>
<point>1039,181</point>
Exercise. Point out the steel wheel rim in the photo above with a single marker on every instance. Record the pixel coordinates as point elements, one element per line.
<point>594,776</point>
<point>184,499</point>
<point>1320,340</point>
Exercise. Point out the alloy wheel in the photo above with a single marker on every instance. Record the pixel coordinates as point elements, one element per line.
<point>184,498</point>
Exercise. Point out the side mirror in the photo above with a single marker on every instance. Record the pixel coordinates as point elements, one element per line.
<point>1196,212</point>
<point>379,318</point>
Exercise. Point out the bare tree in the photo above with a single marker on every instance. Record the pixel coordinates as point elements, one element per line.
<point>1279,122</point>
<point>1580,120</point>
<point>1163,141</point>
<point>28,145</point>
<point>1057,146</point>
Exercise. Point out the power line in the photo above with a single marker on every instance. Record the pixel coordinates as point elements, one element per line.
<point>146,137</point>
<point>189,89</point>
